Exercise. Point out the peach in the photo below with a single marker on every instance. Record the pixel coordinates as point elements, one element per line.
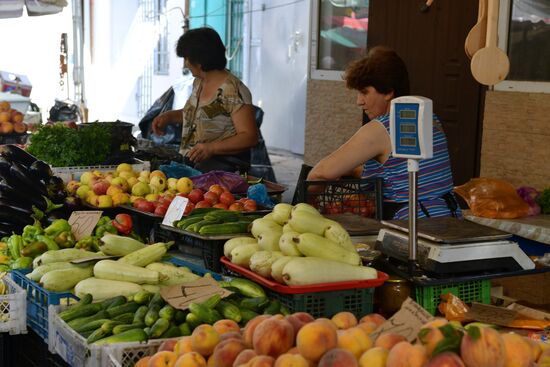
<point>344,320</point>
<point>273,337</point>
<point>374,357</point>
<point>261,361</point>
<point>535,348</point>
<point>183,345</point>
<point>299,319</point>
<point>429,337</point>
<point>354,340</point>
<point>190,359</point>
<point>250,327</point>
<point>436,322</point>
<point>338,358</point>
<point>163,358</point>
<point>544,359</point>
<point>446,359</point>
<point>373,317</point>
<point>204,339</point>
<point>518,351</point>
<point>388,340</point>
<point>211,362</point>
<point>404,354</point>
<point>367,326</point>
<point>226,352</point>
<point>226,326</point>
<point>291,360</point>
<point>168,345</point>
<point>483,347</point>
<point>243,357</point>
<point>143,362</point>
<point>315,339</point>
<point>231,335</point>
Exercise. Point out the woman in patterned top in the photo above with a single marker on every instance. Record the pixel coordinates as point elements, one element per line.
<point>380,77</point>
<point>218,120</point>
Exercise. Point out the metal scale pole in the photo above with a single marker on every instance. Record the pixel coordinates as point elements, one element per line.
<point>412,167</point>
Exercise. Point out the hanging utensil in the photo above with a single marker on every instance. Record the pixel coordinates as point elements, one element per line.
<point>476,37</point>
<point>490,65</point>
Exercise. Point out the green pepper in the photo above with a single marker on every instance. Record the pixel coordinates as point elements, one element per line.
<point>34,249</point>
<point>89,243</point>
<point>57,227</point>
<point>23,262</point>
<point>65,239</point>
<point>4,267</point>
<point>48,241</point>
<point>30,232</point>
<point>15,243</point>
<point>101,230</point>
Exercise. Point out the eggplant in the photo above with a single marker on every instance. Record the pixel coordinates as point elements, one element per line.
<point>5,164</point>
<point>24,178</point>
<point>11,227</point>
<point>22,197</point>
<point>12,201</point>
<point>41,169</point>
<point>16,154</point>
<point>15,215</point>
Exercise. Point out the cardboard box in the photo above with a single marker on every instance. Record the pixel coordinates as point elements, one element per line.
<point>15,83</point>
<point>17,102</point>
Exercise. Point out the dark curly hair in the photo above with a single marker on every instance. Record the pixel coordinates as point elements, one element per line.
<point>204,47</point>
<point>382,69</point>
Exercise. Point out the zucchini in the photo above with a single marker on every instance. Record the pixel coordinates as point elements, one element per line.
<point>305,271</point>
<point>185,330</point>
<point>125,327</point>
<point>312,245</point>
<point>139,316</point>
<point>158,328</point>
<point>113,301</point>
<point>65,255</point>
<point>225,228</point>
<point>153,288</point>
<point>247,287</point>
<point>79,311</point>
<point>115,245</point>
<point>102,289</point>
<point>122,309</point>
<point>143,297</point>
<point>92,325</point>
<point>202,211</point>
<point>229,311</point>
<point>39,271</point>
<point>61,280</point>
<point>78,323</point>
<point>232,243</point>
<point>125,318</point>
<point>247,315</point>
<point>172,332</point>
<point>97,334</point>
<point>152,315</point>
<point>85,300</point>
<point>114,270</point>
<point>147,255</point>
<point>167,312</point>
<point>192,320</point>
<point>241,254</point>
<point>133,335</point>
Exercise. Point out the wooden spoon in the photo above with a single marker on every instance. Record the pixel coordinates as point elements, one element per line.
<point>490,65</point>
<point>476,37</point>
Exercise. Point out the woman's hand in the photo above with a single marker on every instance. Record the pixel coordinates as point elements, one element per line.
<point>159,124</point>
<point>201,152</point>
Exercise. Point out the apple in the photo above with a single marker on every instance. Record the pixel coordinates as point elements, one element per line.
<point>19,127</point>
<point>211,197</point>
<point>145,206</point>
<point>190,206</point>
<point>159,182</point>
<point>184,185</point>
<point>203,204</point>
<point>195,196</point>
<point>157,173</point>
<point>161,210</point>
<point>72,186</point>
<point>140,189</point>
<point>122,182</point>
<point>104,201</point>
<point>124,167</point>
<point>168,345</point>
<point>100,187</point>
<point>172,183</point>
<point>82,191</point>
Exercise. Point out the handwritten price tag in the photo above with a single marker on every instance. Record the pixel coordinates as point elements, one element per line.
<point>406,322</point>
<point>181,295</point>
<point>175,210</point>
<point>83,222</point>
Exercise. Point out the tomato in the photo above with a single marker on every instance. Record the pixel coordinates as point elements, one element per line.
<point>227,198</point>
<point>236,207</point>
<point>190,206</point>
<point>211,197</point>
<point>203,204</point>
<point>218,189</point>
<point>196,195</point>
<point>250,206</point>
<point>220,205</point>
<point>123,223</point>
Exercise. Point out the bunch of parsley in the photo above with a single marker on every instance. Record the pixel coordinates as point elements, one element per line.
<point>544,201</point>
<point>62,146</point>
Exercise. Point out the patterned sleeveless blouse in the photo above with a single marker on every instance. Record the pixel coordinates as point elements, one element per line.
<point>434,177</point>
<point>211,121</point>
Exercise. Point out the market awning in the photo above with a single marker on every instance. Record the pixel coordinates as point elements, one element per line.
<point>15,8</point>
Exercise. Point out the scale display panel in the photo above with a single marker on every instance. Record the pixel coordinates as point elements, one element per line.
<point>411,127</point>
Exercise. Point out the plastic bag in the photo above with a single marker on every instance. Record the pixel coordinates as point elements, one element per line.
<point>452,307</point>
<point>231,181</point>
<point>492,198</point>
<point>177,170</point>
<point>259,194</point>
<point>529,195</point>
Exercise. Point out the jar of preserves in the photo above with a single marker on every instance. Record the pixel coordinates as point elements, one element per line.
<point>392,294</point>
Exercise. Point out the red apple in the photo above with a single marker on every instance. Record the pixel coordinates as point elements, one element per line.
<point>100,187</point>
<point>211,197</point>
<point>195,196</point>
<point>203,204</point>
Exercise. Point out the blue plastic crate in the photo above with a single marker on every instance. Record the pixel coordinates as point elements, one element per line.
<point>38,300</point>
<point>196,269</point>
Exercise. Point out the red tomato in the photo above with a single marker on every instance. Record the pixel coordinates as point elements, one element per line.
<point>227,198</point>
<point>196,195</point>
<point>190,206</point>
<point>236,207</point>
<point>220,205</point>
<point>250,206</point>
<point>203,204</point>
<point>218,189</point>
<point>211,197</point>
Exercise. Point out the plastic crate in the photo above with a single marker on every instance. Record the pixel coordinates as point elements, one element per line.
<point>473,291</point>
<point>38,301</point>
<point>362,196</point>
<point>13,306</point>
<point>74,173</point>
<point>14,138</point>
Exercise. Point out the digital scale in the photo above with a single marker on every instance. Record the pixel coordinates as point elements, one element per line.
<point>446,245</point>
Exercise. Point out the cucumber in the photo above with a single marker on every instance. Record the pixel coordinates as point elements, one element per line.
<point>185,330</point>
<point>202,211</point>
<point>212,301</point>
<point>167,312</point>
<point>152,315</point>
<point>172,332</point>
<point>125,318</point>
<point>113,301</point>
<point>92,325</point>
<point>134,335</point>
<point>125,308</point>
<point>247,287</point>
<point>229,311</point>
<point>97,335</point>
<point>225,216</point>
<point>179,317</point>
<point>143,297</point>
<point>158,328</point>
<point>205,314</point>
<point>273,308</point>
<point>108,326</point>
<point>79,311</point>
<point>139,316</point>
<point>195,227</point>
<point>78,323</point>
<point>184,223</point>
<point>256,304</point>
<point>85,300</point>
<point>224,228</point>
<point>125,327</point>
<point>192,320</point>
<point>247,315</point>
<point>157,300</point>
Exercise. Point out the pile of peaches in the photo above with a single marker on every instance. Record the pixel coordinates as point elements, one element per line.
<point>299,340</point>
<point>11,120</point>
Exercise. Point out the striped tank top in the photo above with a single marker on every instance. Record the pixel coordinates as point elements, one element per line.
<point>434,177</point>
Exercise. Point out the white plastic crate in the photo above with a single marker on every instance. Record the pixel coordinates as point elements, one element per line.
<point>13,308</point>
<point>74,350</point>
<point>74,173</point>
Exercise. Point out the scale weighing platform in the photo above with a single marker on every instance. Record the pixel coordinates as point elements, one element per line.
<point>453,246</point>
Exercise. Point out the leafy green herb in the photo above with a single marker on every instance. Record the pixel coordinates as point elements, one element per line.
<point>61,146</point>
<point>544,201</point>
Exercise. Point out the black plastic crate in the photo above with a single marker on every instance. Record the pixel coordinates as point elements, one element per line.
<point>362,196</point>
<point>14,138</point>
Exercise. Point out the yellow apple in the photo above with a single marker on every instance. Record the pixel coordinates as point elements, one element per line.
<point>83,191</point>
<point>104,201</point>
<point>122,182</point>
<point>157,173</point>
<point>126,174</point>
<point>86,177</point>
<point>172,183</point>
<point>158,181</point>
<point>152,197</point>
<point>131,182</point>
<point>120,198</point>
<point>184,185</point>
<point>114,189</point>
<point>140,189</point>
<point>124,167</point>
<point>144,174</point>
<point>143,179</point>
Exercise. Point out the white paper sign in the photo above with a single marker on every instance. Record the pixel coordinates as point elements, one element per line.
<point>175,210</point>
<point>83,222</point>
